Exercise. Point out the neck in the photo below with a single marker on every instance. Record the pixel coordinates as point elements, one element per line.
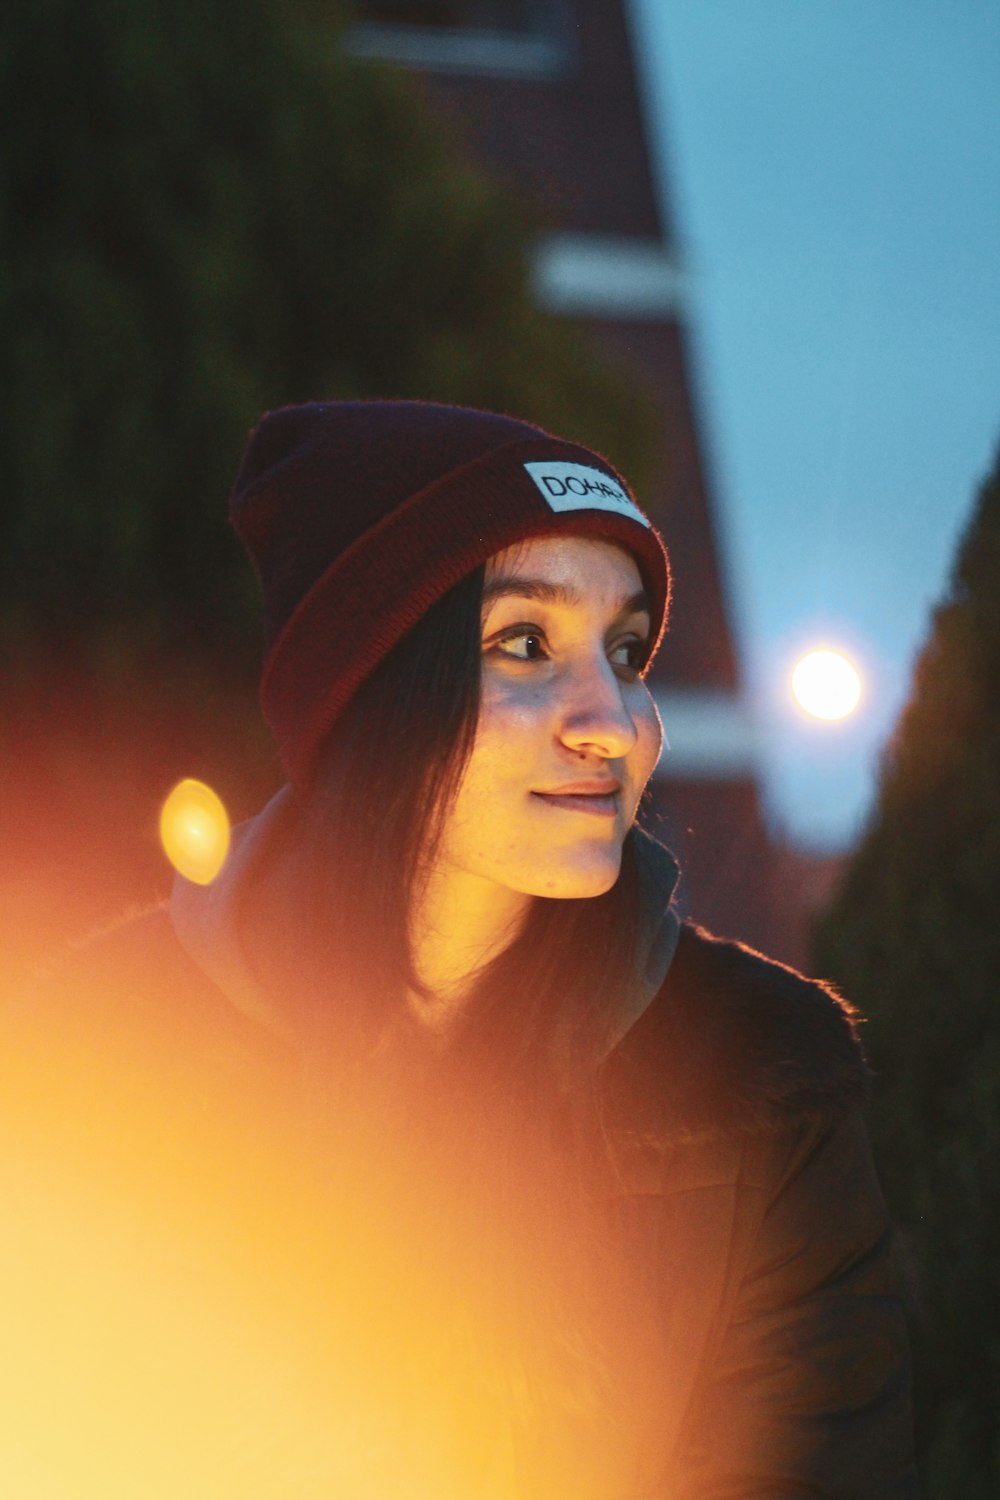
<point>459,924</point>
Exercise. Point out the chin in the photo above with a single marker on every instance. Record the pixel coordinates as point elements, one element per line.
<point>581,879</point>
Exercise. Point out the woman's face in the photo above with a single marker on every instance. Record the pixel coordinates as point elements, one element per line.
<point>567,734</point>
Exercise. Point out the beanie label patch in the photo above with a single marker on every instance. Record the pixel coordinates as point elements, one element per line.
<point>578,487</point>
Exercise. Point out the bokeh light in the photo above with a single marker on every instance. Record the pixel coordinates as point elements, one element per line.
<point>194,830</point>
<point>826,685</point>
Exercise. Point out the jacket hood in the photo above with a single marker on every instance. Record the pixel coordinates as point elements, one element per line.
<point>207,919</point>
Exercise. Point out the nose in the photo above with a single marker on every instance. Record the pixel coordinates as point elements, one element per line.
<point>595,717</point>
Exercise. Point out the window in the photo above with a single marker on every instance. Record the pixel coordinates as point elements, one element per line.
<point>498,38</point>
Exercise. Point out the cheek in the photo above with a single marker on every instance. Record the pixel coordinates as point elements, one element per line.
<point>509,710</point>
<point>501,752</point>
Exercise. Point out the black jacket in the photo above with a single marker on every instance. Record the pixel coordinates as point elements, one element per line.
<point>751,1182</point>
<point>769,1358</point>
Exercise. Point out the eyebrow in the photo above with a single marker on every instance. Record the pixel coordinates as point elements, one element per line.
<point>554,593</point>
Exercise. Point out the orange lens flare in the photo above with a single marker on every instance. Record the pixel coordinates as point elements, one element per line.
<point>194,831</point>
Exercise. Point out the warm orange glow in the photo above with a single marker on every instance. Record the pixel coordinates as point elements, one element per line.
<point>826,685</point>
<point>194,830</point>
<point>222,1284</point>
<point>181,1306</point>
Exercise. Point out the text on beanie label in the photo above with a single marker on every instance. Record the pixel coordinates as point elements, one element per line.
<point>578,487</point>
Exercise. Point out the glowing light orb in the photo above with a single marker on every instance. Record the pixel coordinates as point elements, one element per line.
<point>826,685</point>
<point>194,831</point>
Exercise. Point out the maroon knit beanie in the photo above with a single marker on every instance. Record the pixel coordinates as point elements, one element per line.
<point>359,515</point>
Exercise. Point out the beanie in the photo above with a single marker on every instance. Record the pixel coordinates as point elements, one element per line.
<point>359,515</point>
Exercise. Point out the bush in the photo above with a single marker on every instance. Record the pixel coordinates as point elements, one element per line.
<point>914,938</point>
<point>208,210</point>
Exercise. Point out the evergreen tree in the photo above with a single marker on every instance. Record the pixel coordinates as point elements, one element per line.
<point>914,938</point>
<point>208,210</point>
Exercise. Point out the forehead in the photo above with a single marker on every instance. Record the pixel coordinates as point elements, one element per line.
<point>586,565</point>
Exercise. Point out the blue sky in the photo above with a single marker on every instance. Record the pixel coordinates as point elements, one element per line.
<point>834,170</point>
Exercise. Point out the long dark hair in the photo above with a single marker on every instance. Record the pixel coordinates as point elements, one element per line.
<point>512,1101</point>
<point>543,1012</point>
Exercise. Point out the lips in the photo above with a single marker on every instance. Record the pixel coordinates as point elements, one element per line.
<point>599,799</point>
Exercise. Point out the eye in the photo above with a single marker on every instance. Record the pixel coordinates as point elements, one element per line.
<point>627,655</point>
<point>521,643</point>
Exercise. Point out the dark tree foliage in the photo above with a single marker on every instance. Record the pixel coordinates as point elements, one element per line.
<point>914,937</point>
<point>207,210</point>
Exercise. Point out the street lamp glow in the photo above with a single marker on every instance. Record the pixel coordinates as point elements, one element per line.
<point>826,685</point>
<point>194,831</point>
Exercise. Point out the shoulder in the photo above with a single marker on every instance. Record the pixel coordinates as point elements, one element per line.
<point>736,1043</point>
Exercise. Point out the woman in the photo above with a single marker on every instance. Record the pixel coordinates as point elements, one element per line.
<point>497,1178</point>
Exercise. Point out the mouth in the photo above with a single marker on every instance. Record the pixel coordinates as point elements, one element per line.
<point>596,802</point>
